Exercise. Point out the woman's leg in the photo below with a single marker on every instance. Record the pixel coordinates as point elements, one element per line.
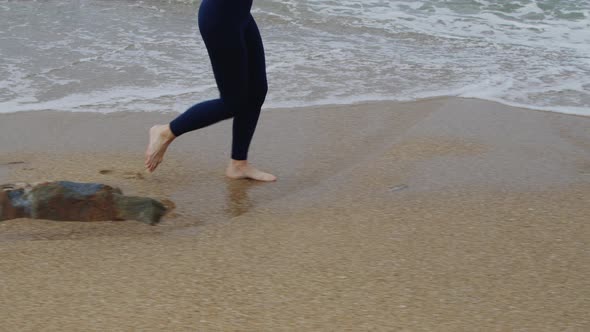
<point>246,118</point>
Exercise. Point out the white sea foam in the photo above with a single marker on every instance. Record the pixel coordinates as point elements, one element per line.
<point>107,101</point>
<point>148,55</point>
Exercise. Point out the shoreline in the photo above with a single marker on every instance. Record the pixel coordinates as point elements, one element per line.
<point>498,101</point>
<point>441,214</point>
<point>360,103</point>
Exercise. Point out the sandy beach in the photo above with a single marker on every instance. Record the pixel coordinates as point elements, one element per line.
<point>445,214</point>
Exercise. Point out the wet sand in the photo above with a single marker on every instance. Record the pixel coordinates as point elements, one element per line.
<point>446,214</point>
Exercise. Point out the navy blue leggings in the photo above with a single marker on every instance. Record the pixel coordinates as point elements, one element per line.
<point>237,57</point>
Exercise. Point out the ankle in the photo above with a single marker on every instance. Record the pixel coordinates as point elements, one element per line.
<point>167,133</point>
<point>238,163</point>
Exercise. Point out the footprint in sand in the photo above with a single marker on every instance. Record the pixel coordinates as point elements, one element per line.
<point>399,187</point>
<point>133,175</point>
<point>125,175</point>
<point>12,163</point>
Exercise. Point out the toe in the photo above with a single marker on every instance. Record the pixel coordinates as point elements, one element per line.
<point>266,177</point>
<point>151,165</point>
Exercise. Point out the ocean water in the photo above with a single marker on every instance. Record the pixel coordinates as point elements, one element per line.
<point>105,56</point>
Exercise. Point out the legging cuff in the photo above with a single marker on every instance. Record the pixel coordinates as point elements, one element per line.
<point>174,128</point>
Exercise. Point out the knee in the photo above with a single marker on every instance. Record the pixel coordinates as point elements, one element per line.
<point>251,98</point>
<point>259,95</point>
<point>235,102</point>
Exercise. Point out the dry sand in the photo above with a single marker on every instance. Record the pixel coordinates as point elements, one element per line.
<point>441,215</point>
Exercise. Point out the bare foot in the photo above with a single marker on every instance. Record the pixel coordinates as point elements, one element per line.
<point>240,169</point>
<point>160,138</point>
